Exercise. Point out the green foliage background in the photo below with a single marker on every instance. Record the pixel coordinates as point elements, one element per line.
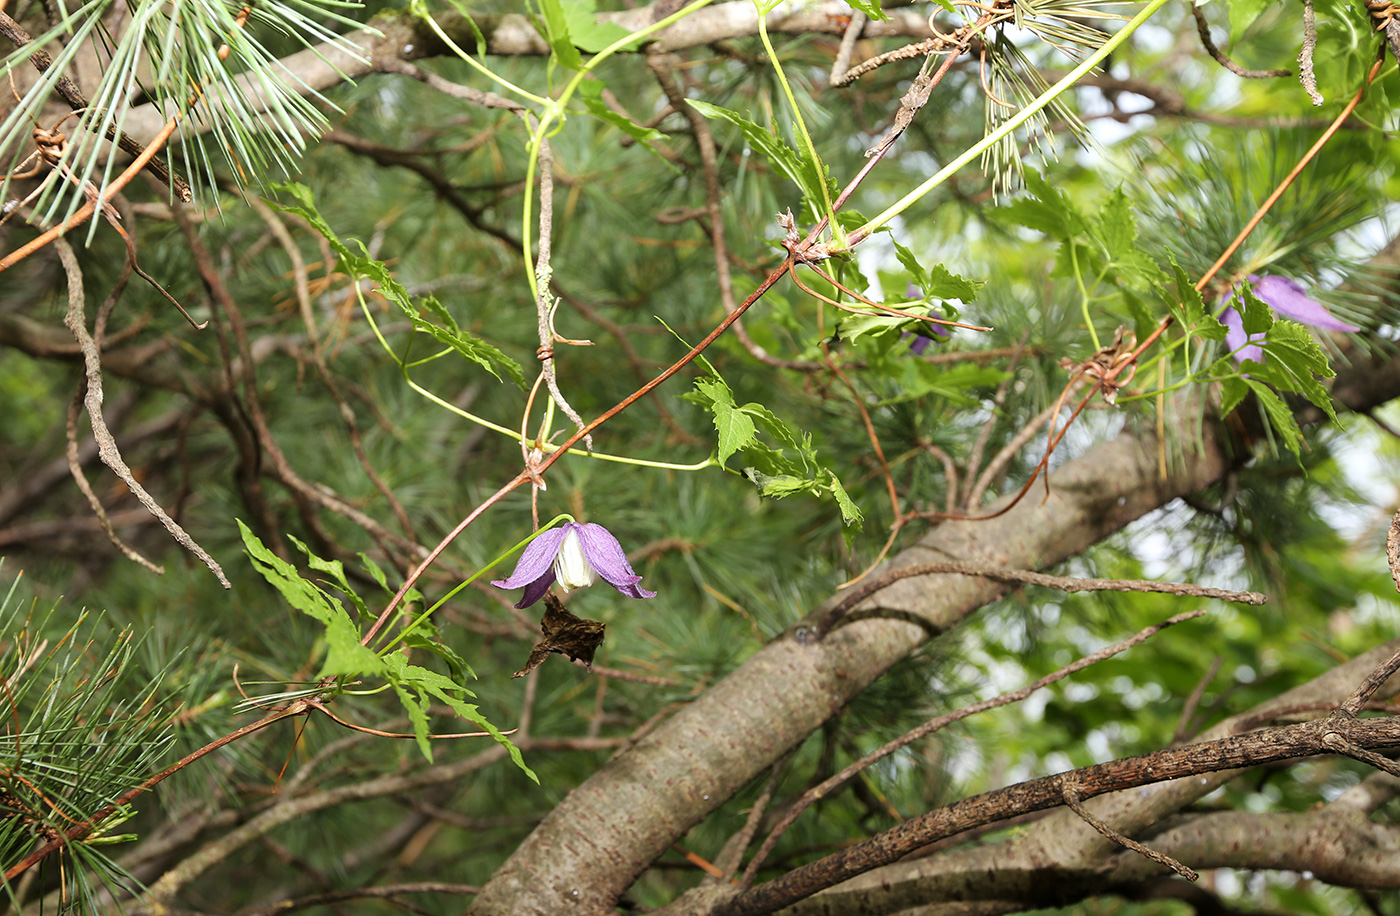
<point>733,568</point>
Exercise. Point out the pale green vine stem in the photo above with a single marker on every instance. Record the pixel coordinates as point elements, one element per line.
<point>1024,115</point>
<point>554,108</point>
<point>1083,296</point>
<point>421,11</point>
<point>513,434</point>
<point>829,210</point>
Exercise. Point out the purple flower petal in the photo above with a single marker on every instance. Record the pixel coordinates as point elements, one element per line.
<point>606,557</point>
<point>1288,298</point>
<point>536,561</point>
<point>535,590</point>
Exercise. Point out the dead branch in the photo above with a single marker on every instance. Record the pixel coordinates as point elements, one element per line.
<point>107,449</point>
<point>1027,577</point>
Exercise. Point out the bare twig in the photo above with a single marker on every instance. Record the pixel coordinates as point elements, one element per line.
<point>75,467</point>
<point>732,855</point>
<point>1072,801</point>
<point>1367,688</point>
<point>544,301</point>
<point>386,892</point>
<point>940,722</point>
<point>1203,29</point>
<point>848,46</point>
<point>107,449</point>
<point>1027,577</point>
<point>950,475</point>
<point>447,87</point>
<point>1342,745</point>
<point>974,460</point>
<point>1183,724</point>
<point>998,464</point>
<point>1392,549</point>
<point>937,45</point>
<point>1305,56</point>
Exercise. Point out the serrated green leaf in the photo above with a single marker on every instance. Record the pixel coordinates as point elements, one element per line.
<point>336,570</point>
<point>1279,416</point>
<point>1047,210</point>
<point>1232,392</point>
<point>713,391</point>
<point>374,571</point>
<point>873,324</point>
<point>911,263</point>
<point>736,430</point>
<point>415,705</point>
<point>1254,314</point>
<point>806,174</point>
<point>769,460</point>
<point>944,284</point>
<point>556,32</point>
<point>426,636</point>
<point>872,9</point>
<point>440,311</point>
<point>473,348</point>
<point>774,426</point>
<point>344,654</point>
<point>851,515</point>
<point>1190,309</point>
<point>1117,226</point>
<point>1117,230</point>
<point>1144,322</point>
<point>590,34</point>
<point>589,93</point>
<point>1189,306</point>
<point>849,218</point>
<point>424,681</point>
<point>1298,349</point>
<point>1294,360</point>
<point>412,596</point>
<point>1243,13</point>
<point>779,486</point>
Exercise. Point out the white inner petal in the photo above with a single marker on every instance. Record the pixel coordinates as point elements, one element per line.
<point>571,568</point>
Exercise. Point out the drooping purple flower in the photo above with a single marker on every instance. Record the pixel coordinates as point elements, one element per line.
<point>1285,297</point>
<point>575,555</point>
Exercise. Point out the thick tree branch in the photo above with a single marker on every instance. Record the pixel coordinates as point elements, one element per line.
<point>405,38</point>
<point>1337,845</point>
<point>1265,746</point>
<point>1017,870</point>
